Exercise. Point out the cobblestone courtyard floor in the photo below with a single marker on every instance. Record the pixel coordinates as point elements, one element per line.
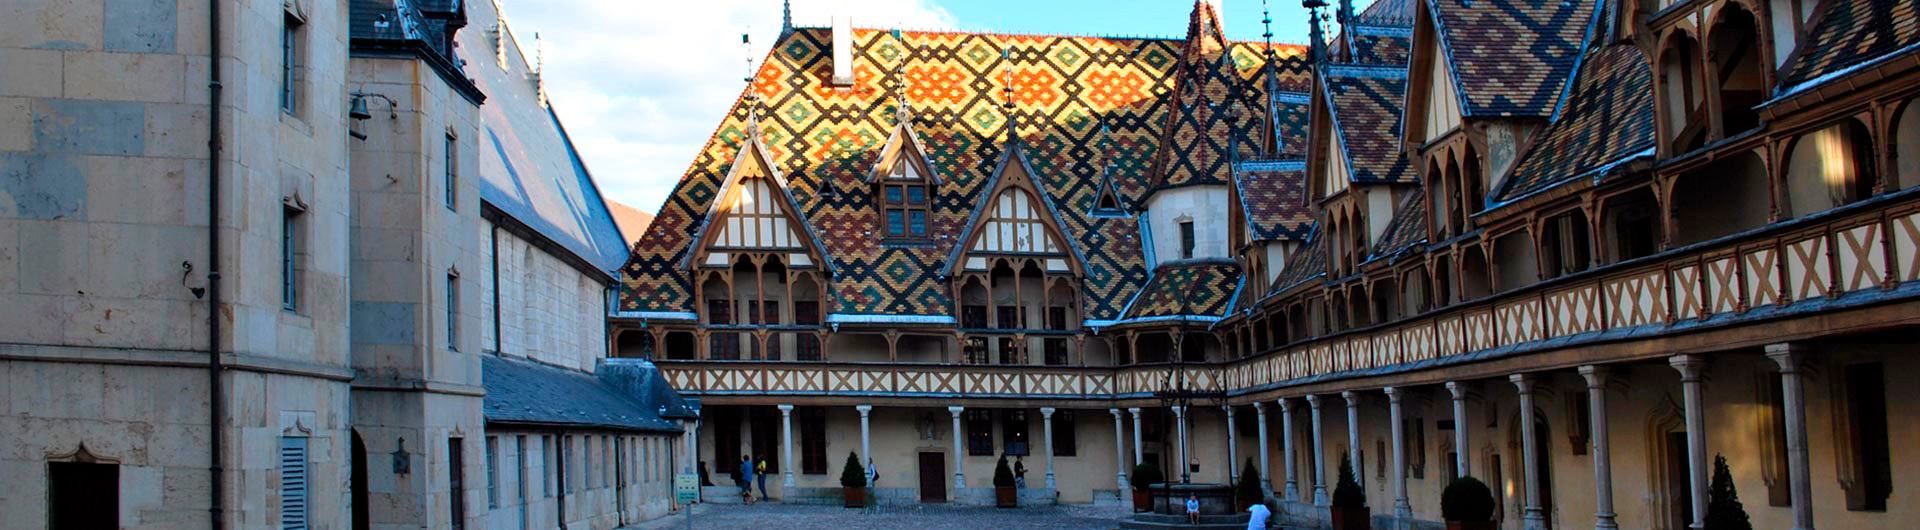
<point>911,517</point>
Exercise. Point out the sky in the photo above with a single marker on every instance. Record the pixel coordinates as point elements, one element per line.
<point>641,84</point>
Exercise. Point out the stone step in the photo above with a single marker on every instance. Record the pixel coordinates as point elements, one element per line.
<point>1182,525</point>
<point>1182,519</point>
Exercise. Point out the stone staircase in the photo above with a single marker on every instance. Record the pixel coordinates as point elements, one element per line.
<point>1152,521</point>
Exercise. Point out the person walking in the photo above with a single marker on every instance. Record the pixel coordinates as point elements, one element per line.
<point>873,485</point>
<point>746,479</point>
<point>1257,516</point>
<point>760,472</point>
<point>1019,473</point>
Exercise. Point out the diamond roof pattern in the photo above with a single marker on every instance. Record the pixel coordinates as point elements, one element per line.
<point>1275,201</point>
<point>1082,105</point>
<point>1366,103</point>
<point>1198,287</point>
<point>1511,57</point>
<point>1607,117</point>
<point>1851,33</point>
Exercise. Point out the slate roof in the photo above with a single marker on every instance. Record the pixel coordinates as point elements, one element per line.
<point>1365,101</point>
<point>1190,288</point>
<point>1608,117</point>
<point>1273,195</point>
<point>1850,33</point>
<point>528,393</point>
<point>528,167</point>
<point>1511,57</point>
<point>1065,89</point>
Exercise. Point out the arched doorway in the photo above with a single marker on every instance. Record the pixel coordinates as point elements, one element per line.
<point>358,484</point>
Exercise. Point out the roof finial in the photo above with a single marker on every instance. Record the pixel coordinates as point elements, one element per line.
<point>1006,75</point>
<point>1266,23</point>
<point>1313,29</point>
<point>904,113</point>
<point>539,69</point>
<point>786,17</point>
<point>746,51</point>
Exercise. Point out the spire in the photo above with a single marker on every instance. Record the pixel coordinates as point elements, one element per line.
<point>1006,76</point>
<point>1313,29</point>
<point>1346,30</point>
<point>903,114</point>
<point>539,69</point>
<point>786,17</point>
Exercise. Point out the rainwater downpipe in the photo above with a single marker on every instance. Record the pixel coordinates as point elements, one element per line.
<point>216,409</point>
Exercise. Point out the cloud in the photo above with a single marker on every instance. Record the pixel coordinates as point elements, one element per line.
<point>641,84</point>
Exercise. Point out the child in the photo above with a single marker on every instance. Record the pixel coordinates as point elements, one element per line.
<point>1193,509</point>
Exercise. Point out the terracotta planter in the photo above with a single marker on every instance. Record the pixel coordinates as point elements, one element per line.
<point>1006,497</point>
<point>854,497</point>
<point>1351,518</point>
<point>1142,501</point>
<point>1480,525</point>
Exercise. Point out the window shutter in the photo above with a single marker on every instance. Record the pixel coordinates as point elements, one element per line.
<point>293,483</point>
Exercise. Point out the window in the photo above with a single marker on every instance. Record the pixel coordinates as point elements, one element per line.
<point>806,347</point>
<point>1186,239</point>
<point>1580,433</point>
<point>973,316</point>
<point>86,496</point>
<point>552,465</point>
<point>806,312</point>
<point>291,37</point>
<point>975,350</point>
<point>453,172</point>
<point>293,483</point>
<point>1866,436</point>
<point>520,468</point>
<point>1563,241</point>
<point>621,460</point>
<point>586,464</point>
<point>493,472</point>
<point>453,311</point>
<point>979,432</point>
<point>1013,433</point>
<point>1056,351</point>
<point>813,440</point>
<point>1065,440</point>
<point>1417,459</point>
<point>289,259</point>
<point>456,483</point>
<point>904,198</point>
<point>1010,351</point>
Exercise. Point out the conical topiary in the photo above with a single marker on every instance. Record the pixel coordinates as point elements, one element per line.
<point>852,475</point>
<point>1347,493</point>
<point>1248,491</point>
<point>1145,475</point>
<point>1724,511</point>
<point>1002,475</point>
<point>1466,500</point>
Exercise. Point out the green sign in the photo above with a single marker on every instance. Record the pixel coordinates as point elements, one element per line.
<point>686,488</point>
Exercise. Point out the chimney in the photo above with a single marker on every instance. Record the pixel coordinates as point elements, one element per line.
<point>843,50</point>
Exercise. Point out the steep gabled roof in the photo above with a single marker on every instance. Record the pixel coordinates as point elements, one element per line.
<point>1608,117</point>
<point>1510,57</point>
<point>1202,132</point>
<point>1308,264</point>
<point>1273,195</point>
<point>904,143</point>
<point>1200,288</point>
<point>1849,34</point>
<point>755,158</point>
<point>1407,229</point>
<point>1365,103</point>
<point>1015,157</point>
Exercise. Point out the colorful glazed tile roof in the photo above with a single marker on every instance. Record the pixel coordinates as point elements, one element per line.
<point>1853,32</point>
<point>1408,228</point>
<point>1197,287</point>
<point>1291,122</point>
<point>1065,89</point>
<point>1511,57</point>
<point>1381,45</point>
<point>1305,265</point>
<point>1608,117</point>
<point>1212,118</point>
<point>1366,104</point>
<point>1273,195</point>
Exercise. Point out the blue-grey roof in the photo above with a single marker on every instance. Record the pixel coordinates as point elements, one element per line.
<point>529,393</point>
<point>529,168</point>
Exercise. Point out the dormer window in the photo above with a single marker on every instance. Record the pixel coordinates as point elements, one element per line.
<point>1186,239</point>
<point>904,201</point>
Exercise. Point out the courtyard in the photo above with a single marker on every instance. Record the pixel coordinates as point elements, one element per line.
<point>918,517</point>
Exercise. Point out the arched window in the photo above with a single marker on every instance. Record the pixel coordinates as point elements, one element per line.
<point>1830,167</point>
<point>1682,95</point>
<point>1906,141</point>
<point>1727,196</point>
<point>1439,208</point>
<point>1734,48</point>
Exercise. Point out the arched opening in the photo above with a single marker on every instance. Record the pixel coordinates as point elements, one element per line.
<point>1385,307</point>
<point>1517,266</point>
<point>1457,214</point>
<point>1631,225</point>
<point>1061,316</point>
<point>973,316</point>
<point>634,344</point>
<point>1337,311</point>
<point>1564,244</point>
<point>1473,187</point>
<point>1725,197</point>
<point>1440,207</point>
<point>358,483</point>
<point>1542,459</point>
<point>1360,312</point>
<point>680,346</point>
<point>1153,348</point>
<point>1415,300</point>
<point>1906,140</point>
<point>1734,48</point>
<point>1474,276</point>
<point>1445,275</point>
<point>1357,230</point>
<point>1197,347</point>
<point>1682,95</point>
<point>1830,167</point>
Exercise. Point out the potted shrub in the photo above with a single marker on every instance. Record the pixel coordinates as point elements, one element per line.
<point>1145,475</point>
<point>1467,504</point>
<point>1247,492</point>
<point>1724,511</point>
<point>853,482</point>
<point>1349,501</point>
<point>1004,494</point>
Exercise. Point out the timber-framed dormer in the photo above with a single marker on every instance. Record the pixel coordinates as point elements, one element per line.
<point>904,184</point>
<point>760,273</point>
<point>1015,276</point>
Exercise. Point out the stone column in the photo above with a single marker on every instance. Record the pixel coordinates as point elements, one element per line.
<point>1292,491</point>
<point>1402,510</point>
<point>786,448</point>
<point>1800,485</point>
<point>1532,517</point>
<point>1319,456</point>
<point>1137,457</point>
<point>1266,471</point>
<point>1120,454</point>
<point>959,476</point>
<point>1460,449</point>
<point>1180,420</point>
<point>1233,454</point>
<point>1046,423</point>
<point>1353,437</point>
<point>1691,367</point>
<point>1602,447</point>
<point>866,441</point>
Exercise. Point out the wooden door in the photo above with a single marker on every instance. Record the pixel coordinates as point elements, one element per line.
<point>933,477</point>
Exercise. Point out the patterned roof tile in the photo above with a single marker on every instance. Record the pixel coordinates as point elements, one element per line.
<point>1408,228</point>
<point>1512,57</point>
<point>1607,117</point>
<point>1275,202</point>
<point>1366,110</point>
<point>1199,287</point>
<point>1852,33</point>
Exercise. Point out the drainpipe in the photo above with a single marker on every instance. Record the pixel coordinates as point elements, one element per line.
<point>216,409</point>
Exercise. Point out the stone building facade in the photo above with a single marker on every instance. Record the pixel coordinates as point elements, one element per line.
<point>390,287</point>
<point>1578,263</point>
